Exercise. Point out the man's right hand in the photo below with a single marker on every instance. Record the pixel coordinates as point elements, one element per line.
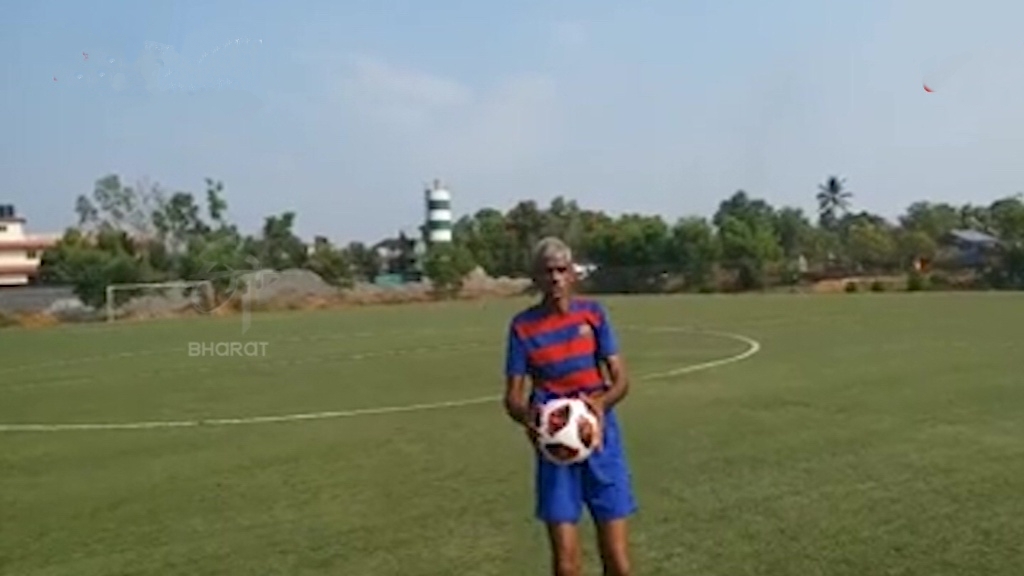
<point>529,423</point>
<point>533,434</point>
<point>521,409</point>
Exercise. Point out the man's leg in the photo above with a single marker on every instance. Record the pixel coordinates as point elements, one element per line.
<point>560,506</point>
<point>608,493</point>
<point>613,542</point>
<point>566,553</point>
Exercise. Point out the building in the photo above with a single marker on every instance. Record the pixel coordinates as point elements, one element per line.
<point>401,259</point>
<point>970,247</point>
<point>20,253</point>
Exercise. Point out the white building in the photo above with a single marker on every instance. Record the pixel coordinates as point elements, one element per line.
<point>20,253</point>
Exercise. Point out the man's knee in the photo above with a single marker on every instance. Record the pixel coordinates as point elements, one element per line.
<point>568,565</point>
<point>617,567</point>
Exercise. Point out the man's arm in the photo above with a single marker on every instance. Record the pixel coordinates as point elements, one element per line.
<point>517,405</point>
<point>608,351</point>
<point>619,387</point>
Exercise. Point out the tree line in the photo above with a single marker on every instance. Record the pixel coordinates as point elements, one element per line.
<point>141,233</point>
<point>749,244</point>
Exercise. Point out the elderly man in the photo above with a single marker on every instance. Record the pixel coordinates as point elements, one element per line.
<point>560,345</point>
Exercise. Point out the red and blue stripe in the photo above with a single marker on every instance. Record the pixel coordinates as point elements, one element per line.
<point>561,352</point>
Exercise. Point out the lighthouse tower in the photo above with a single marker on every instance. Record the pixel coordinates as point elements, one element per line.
<point>439,214</point>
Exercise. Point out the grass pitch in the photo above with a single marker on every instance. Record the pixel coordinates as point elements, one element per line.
<point>872,434</point>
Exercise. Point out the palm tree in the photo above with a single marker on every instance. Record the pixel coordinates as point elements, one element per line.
<point>832,199</point>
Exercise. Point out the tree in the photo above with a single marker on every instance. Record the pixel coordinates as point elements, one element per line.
<point>825,247</point>
<point>1007,218</point>
<point>748,238</point>
<point>631,254</point>
<point>278,248</point>
<point>330,263</point>
<point>113,242</point>
<point>975,218</point>
<point>872,247</point>
<point>447,265</point>
<point>140,233</point>
<point>1008,273</point>
<point>178,221</point>
<point>119,207</point>
<point>366,263</point>
<point>746,209</point>
<point>526,223</point>
<point>90,265</point>
<point>491,241</point>
<point>56,265</point>
<point>747,248</point>
<point>215,203</point>
<point>694,250</point>
<point>935,220</point>
<point>563,219</point>
<point>913,245</point>
<point>795,232</point>
<point>833,200</point>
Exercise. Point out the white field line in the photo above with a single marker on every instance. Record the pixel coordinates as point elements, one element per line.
<point>753,347</point>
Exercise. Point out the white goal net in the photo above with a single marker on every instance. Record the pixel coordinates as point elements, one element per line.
<point>157,297</point>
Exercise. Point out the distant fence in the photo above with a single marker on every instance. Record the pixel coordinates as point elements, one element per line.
<point>15,299</point>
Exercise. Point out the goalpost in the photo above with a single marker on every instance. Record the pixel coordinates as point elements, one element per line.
<point>205,286</point>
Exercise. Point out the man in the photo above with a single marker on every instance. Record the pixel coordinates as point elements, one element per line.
<point>560,346</point>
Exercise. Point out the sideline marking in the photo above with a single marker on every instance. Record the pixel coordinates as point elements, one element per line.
<point>753,347</point>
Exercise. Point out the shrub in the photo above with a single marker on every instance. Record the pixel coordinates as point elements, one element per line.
<point>850,287</point>
<point>940,282</point>
<point>877,286</point>
<point>916,282</point>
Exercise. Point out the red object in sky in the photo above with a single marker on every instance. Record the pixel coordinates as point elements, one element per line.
<point>928,88</point>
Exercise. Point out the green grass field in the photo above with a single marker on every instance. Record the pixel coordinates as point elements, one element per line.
<point>871,434</point>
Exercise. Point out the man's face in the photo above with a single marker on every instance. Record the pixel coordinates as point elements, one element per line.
<point>555,276</point>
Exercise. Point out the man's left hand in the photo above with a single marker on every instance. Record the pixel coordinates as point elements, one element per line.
<point>596,404</point>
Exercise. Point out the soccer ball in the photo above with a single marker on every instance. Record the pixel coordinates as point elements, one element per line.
<point>567,430</point>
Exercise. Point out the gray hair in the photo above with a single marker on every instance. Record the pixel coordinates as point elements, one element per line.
<point>550,247</point>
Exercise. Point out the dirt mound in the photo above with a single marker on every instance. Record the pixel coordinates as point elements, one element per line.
<point>478,284</point>
<point>36,320</point>
<point>295,289</point>
<point>297,283</point>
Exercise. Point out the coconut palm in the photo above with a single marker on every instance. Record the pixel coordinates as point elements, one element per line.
<point>833,199</point>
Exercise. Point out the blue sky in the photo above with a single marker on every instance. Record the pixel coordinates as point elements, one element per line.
<point>346,109</point>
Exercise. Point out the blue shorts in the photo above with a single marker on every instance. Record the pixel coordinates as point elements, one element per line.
<point>602,482</point>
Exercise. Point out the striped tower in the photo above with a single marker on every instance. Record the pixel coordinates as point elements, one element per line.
<point>439,214</point>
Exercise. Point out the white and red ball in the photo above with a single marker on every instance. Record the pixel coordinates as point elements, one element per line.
<point>568,430</point>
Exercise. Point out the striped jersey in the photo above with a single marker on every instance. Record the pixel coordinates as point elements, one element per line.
<point>561,352</point>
